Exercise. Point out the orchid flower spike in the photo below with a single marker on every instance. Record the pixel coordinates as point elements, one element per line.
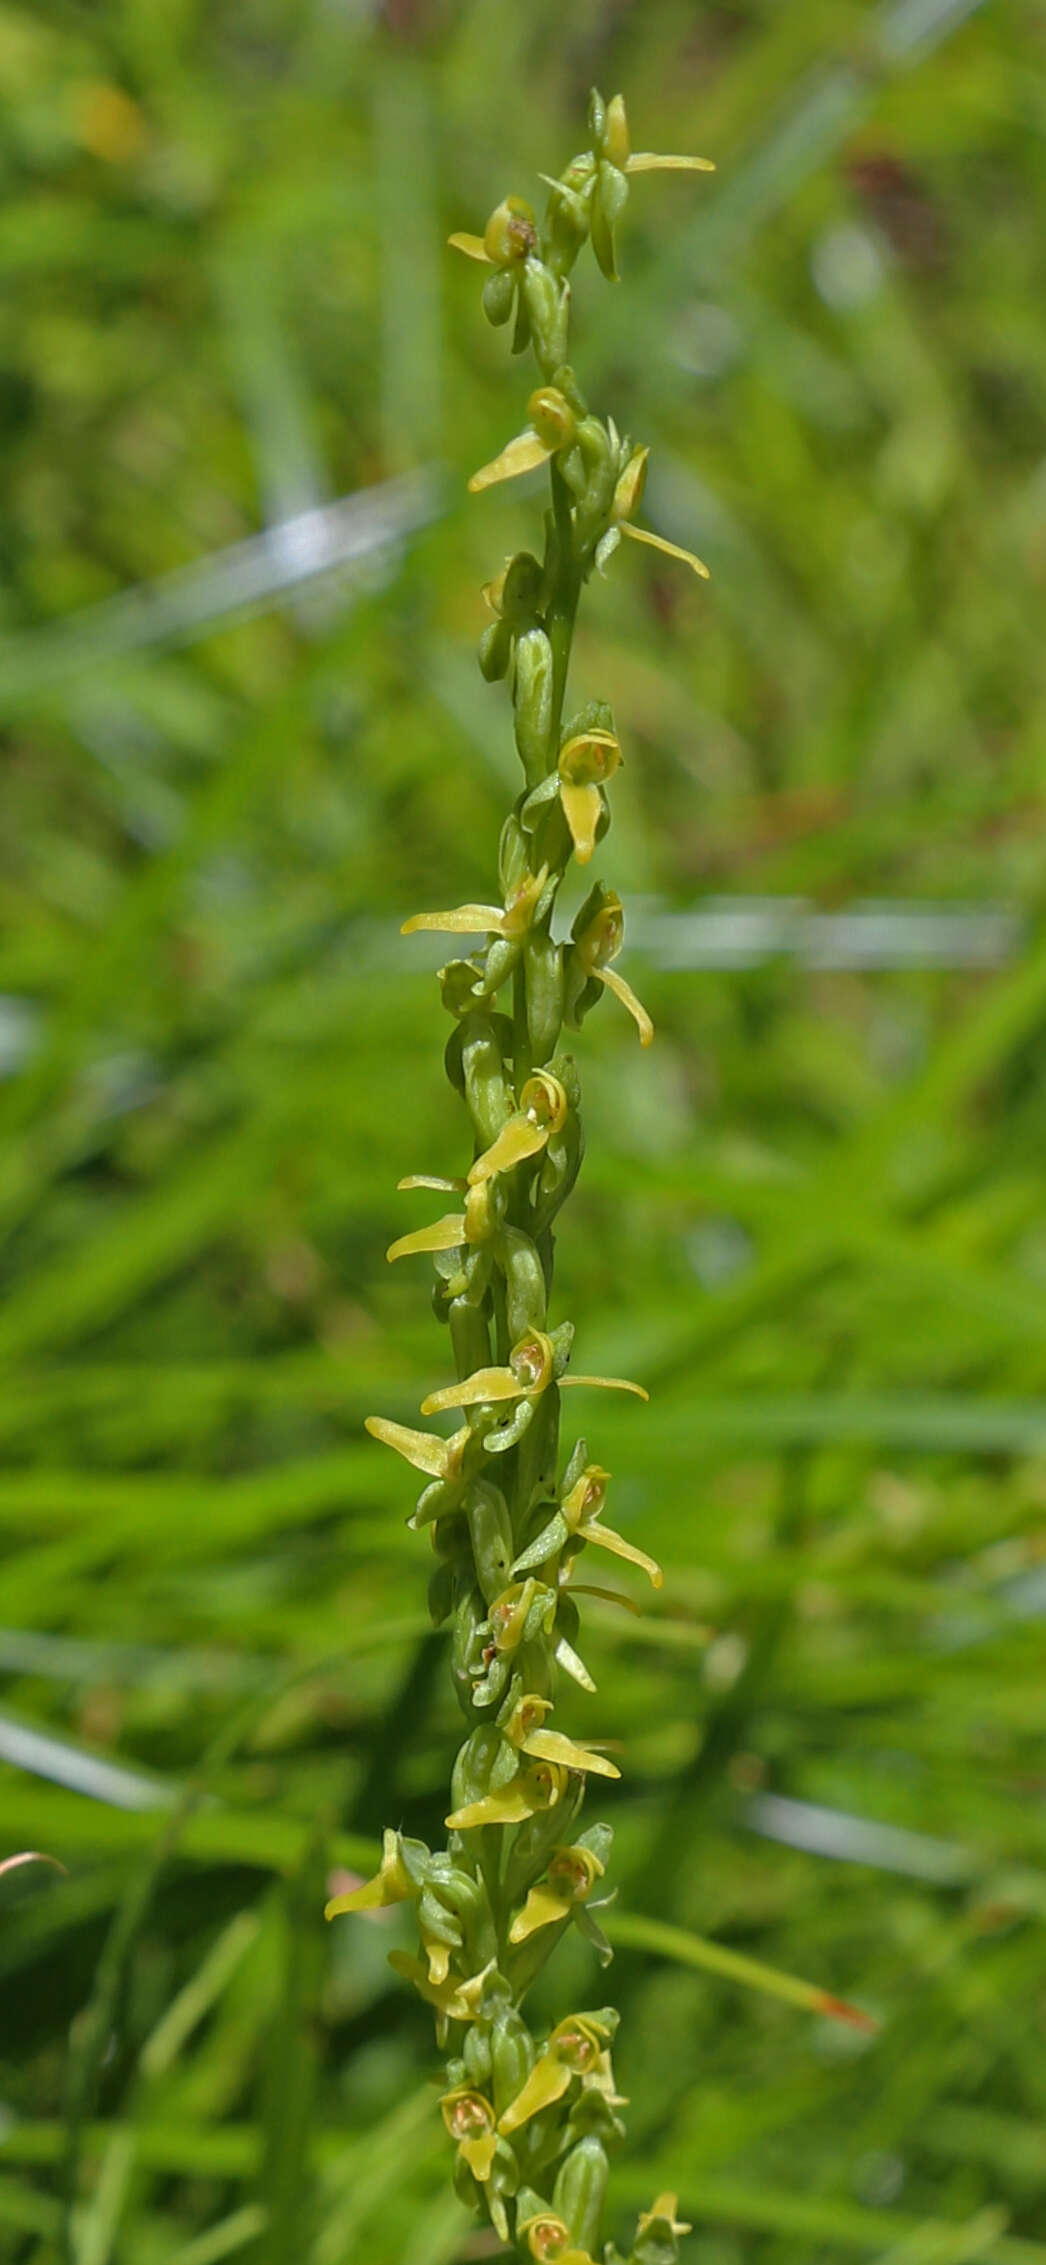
<point>508,1518</point>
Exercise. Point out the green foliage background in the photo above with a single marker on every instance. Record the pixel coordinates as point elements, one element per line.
<point>813,1219</point>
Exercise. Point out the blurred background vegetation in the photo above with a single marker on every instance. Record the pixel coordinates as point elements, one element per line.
<point>813,1219</point>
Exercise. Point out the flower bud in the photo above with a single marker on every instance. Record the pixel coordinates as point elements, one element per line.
<point>597,118</point>
<point>552,417</point>
<point>546,302</point>
<point>510,233</point>
<point>515,593</point>
<point>532,693</point>
<point>490,1529</point>
<point>580,2190</point>
<point>495,650</point>
<point>628,494</point>
<point>499,292</point>
<point>616,144</point>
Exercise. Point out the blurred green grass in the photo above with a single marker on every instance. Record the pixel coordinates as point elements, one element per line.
<point>815,1221</point>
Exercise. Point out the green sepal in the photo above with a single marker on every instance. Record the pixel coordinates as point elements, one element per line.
<point>597,117</point>
<point>508,1431</point>
<point>548,1542</point>
<point>503,958</point>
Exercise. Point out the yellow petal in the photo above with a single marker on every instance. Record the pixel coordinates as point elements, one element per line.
<point>431,1180</point>
<point>519,1137</point>
<point>548,2080</point>
<point>511,1806</point>
<point>606,1384</point>
<point>484,1384</point>
<point>479,2154</point>
<point>465,920</point>
<point>551,1746</point>
<point>473,247</point>
<point>544,1907</point>
<point>519,455</point>
<point>660,543</point>
<point>606,1538</point>
<point>444,1234</point>
<point>438,1955</point>
<point>623,991</point>
<point>581,808</point>
<point>437,1457</point>
<point>648,161</point>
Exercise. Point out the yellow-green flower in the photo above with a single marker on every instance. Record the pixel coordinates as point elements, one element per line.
<point>455,1999</point>
<point>530,1371</point>
<point>548,2239</point>
<point>508,239</point>
<point>662,2212</point>
<point>531,1791</point>
<point>586,760</point>
<point>471,2122</point>
<point>575,2048</point>
<point>627,498</point>
<point>474,1225</point>
<point>597,940</point>
<point>571,1876</point>
<point>552,427</point>
<point>542,1112</point>
<point>524,1729</point>
<point>425,1450</point>
<point>509,920</point>
<point>392,1883</point>
<point>582,1511</point>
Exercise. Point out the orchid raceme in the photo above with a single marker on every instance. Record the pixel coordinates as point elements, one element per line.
<point>531,2116</point>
